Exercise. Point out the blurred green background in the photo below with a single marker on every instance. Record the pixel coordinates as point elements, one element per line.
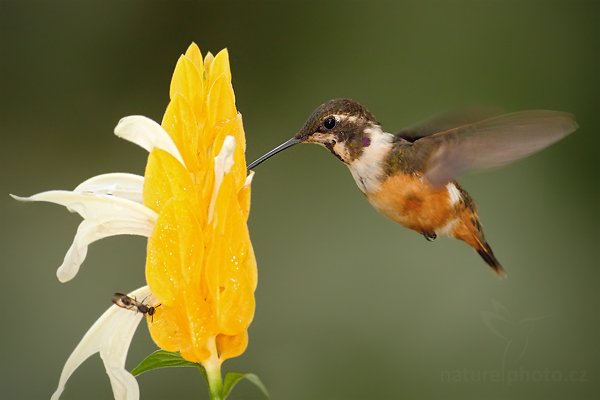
<point>349,305</point>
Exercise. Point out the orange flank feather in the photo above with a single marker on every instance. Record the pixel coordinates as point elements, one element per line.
<point>411,201</point>
<point>414,203</point>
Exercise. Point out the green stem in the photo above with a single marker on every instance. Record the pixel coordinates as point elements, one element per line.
<point>212,366</point>
<point>215,383</point>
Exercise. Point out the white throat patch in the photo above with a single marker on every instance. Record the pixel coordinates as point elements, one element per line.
<point>367,169</point>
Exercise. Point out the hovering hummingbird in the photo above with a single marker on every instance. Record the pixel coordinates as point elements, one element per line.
<point>409,176</point>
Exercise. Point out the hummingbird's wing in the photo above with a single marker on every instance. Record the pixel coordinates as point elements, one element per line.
<point>446,121</point>
<point>490,143</point>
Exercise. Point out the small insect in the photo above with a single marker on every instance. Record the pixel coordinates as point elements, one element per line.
<point>131,303</point>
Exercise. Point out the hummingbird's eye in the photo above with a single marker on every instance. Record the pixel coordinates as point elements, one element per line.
<point>329,123</point>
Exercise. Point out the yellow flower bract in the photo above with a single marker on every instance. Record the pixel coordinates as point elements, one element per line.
<point>200,264</point>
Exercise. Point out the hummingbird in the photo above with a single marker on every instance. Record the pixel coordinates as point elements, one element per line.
<point>410,176</point>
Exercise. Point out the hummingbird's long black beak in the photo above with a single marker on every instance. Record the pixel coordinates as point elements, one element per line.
<point>276,150</point>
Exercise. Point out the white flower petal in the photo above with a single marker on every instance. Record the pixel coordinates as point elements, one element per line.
<point>223,164</point>
<point>104,215</point>
<point>126,186</point>
<point>94,206</point>
<point>147,134</point>
<point>224,160</point>
<point>91,230</point>
<point>110,335</point>
<point>249,178</point>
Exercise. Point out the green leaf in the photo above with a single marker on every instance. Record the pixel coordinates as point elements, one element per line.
<point>232,378</point>
<point>164,359</point>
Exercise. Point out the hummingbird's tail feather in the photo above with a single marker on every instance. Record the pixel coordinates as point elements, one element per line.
<point>485,251</point>
<point>469,230</point>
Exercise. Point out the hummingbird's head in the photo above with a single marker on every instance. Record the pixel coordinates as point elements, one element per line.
<point>341,125</point>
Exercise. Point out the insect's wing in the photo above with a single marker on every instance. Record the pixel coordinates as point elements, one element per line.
<point>491,143</point>
<point>124,301</point>
<point>446,121</point>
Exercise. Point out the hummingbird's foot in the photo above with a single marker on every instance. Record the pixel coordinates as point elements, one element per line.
<point>429,236</point>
